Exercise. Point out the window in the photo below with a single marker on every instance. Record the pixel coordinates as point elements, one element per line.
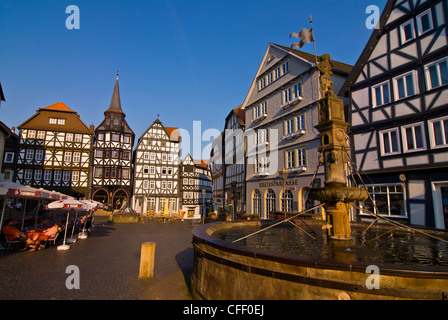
<point>145,169</point>
<point>29,154</point>
<point>262,164</point>
<point>381,94</point>
<point>68,156</point>
<point>9,157</point>
<point>78,137</point>
<point>101,136</point>
<point>300,121</point>
<point>47,175</point>
<point>289,126</point>
<point>114,154</point>
<point>261,83</point>
<point>69,137</point>
<point>145,184</point>
<point>66,176</point>
<point>261,110</point>
<point>57,175</point>
<point>285,68</point>
<point>163,184</point>
<point>389,141</point>
<point>152,185</point>
<point>405,85</point>
<point>98,173</point>
<point>413,137</point>
<point>276,73</point>
<point>61,121</point>
<point>115,137</point>
<point>146,156</point>
<point>170,185</point>
<point>256,203</point>
<point>424,22</point>
<point>163,170</point>
<point>439,132</point>
<point>407,31</point>
<point>270,201</point>
<point>31,134</point>
<point>164,156</point>
<point>126,139</point>
<point>173,204</point>
<point>98,153</point>
<point>288,201</point>
<point>262,136</point>
<point>125,173</point>
<point>152,170</point>
<point>28,174</point>
<point>436,74</point>
<point>290,159</point>
<point>76,156</point>
<point>40,154</point>
<point>37,175</point>
<point>41,135</point>
<point>296,159</point>
<point>292,94</point>
<point>389,200</point>
<point>53,121</point>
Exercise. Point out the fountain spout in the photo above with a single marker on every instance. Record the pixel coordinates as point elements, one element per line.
<point>336,195</point>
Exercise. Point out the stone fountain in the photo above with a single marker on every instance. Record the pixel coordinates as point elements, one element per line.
<point>334,264</point>
<point>336,195</point>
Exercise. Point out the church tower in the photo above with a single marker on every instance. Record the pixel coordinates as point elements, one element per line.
<point>112,157</point>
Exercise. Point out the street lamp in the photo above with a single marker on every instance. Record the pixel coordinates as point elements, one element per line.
<point>284,175</point>
<point>203,206</point>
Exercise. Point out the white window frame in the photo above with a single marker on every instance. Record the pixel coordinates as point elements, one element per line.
<point>420,31</point>
<point>432,135</point>
<point>381,85</point>
<point>9,157</point>
<point>66,176</point>
<point>439,73</point>
<point>405,137</point>
<point>75,175</point>
<point>29,154</point>
<point>67,156</point>
<point>388,133</point>
<point>388,192</point>
<point>402,32</point>
<point>37,175</point>
<point>47,175</point>
<point>404,76</point>
<point>39,154</point>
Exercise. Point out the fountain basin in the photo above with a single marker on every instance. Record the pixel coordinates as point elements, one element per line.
<point>225,270</point>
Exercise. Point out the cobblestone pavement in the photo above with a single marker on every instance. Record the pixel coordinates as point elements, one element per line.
<point>108,262</point>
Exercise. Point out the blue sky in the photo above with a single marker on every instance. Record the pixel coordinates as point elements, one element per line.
<point>187,60</point>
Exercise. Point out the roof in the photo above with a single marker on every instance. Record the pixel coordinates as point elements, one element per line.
<point>303,56</point>
<point>115,103</point>
<point>312,58</point>
<point>368,49</point>
<point>173,133</point>
<point>200,163</point>
<point>240,115</point>
<point>58,106</point>
<point>41,120</point>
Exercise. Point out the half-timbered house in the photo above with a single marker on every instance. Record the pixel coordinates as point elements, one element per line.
<point>112,156</point>
<point>55,151</point>
<point>217,171</point>
<point>399,114</point>
<point>156,170</point>
<point>234,162</point>
<point>9,147</point>
<point>196,187</point>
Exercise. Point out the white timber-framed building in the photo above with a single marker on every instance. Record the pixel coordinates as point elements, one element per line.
<point>399,114</point>
<point>55,151</point>
<point>157,170</point>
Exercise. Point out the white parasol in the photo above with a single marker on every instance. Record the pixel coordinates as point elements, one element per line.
<point>95,205</point>
<point>70,204</point>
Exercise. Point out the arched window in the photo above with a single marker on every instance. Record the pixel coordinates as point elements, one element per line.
<point>288,201</point>
<point>256,203</point>
<point>306,202</point>
<point>270,201</point>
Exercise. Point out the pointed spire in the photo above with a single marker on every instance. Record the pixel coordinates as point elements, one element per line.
<point>115,103</point>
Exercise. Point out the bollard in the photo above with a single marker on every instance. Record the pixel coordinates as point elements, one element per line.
<point>147,260</point>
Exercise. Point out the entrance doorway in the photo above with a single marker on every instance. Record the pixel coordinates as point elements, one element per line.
<point>101,196</point>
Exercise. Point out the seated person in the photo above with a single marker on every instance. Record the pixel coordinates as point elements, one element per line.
<point>13,233</point>
<point>44,235</point>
